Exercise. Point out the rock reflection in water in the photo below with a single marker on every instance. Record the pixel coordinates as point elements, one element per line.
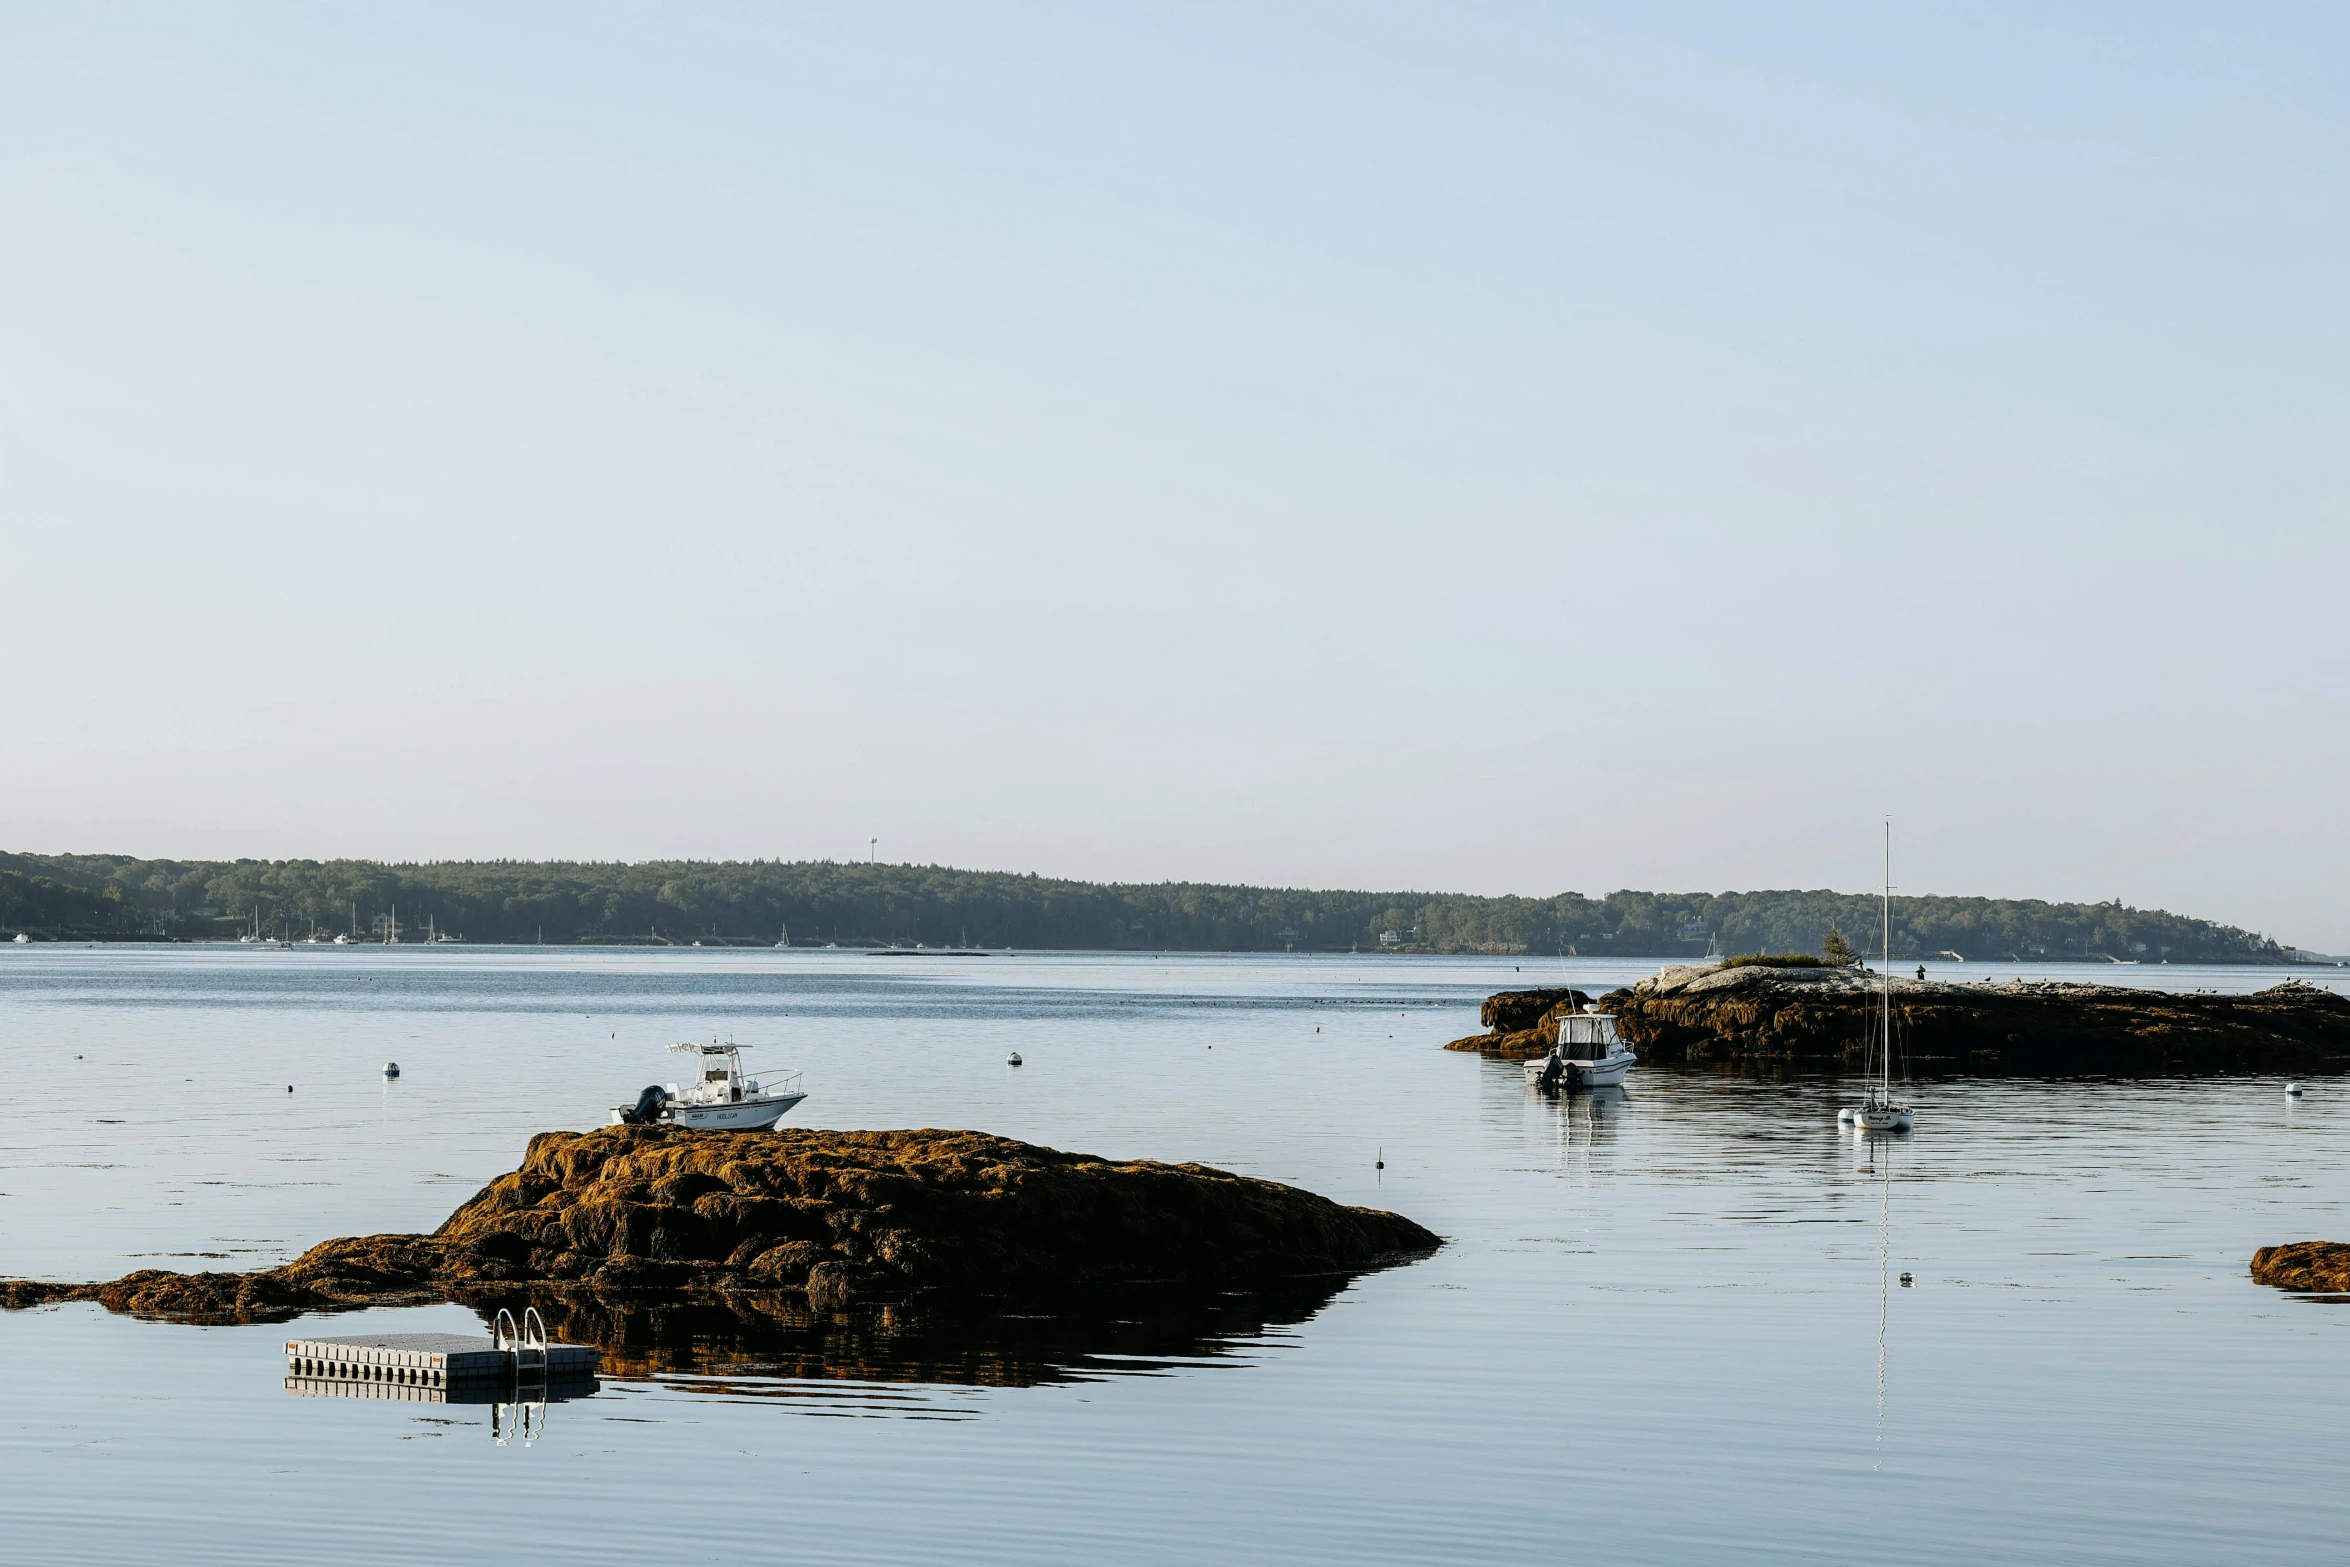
<point>777,1338</point>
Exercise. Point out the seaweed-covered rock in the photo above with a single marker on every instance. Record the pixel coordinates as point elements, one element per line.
<point>839,1216</point>
<point>1522,1024</point>
<point>2319,1266</point>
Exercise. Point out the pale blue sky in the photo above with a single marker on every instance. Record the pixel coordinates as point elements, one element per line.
<point>1491,448</point>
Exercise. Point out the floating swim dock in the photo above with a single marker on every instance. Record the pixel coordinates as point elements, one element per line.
<point>422,1365</point>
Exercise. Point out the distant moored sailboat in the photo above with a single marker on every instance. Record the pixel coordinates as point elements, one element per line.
<point>1877,1111</point>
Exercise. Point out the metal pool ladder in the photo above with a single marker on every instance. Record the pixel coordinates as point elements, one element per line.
<point>527,1343</point>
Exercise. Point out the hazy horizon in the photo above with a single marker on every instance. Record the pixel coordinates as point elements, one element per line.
<point>1474,451</point>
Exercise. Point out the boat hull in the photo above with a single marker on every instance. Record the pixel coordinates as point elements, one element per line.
<point>1579,1075</point>
<point>1600,1074</point>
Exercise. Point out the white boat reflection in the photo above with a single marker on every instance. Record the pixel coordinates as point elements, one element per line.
<point>1875,1155</point>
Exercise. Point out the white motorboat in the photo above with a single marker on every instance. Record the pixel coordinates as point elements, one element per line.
<point>1589,1054</point>
<point>1878,1111</point>
<point>721,1098</point>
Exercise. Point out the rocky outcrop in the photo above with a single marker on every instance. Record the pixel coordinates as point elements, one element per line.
<point>1521,1024</point>
<point>834,1217</point>
<point>2319,1266</point>
<point>1825,1017</point>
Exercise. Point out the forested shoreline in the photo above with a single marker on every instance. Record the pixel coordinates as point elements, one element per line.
<point>821,902</point>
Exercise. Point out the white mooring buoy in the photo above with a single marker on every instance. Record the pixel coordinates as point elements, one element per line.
<point>1844,1116</point>
<point>391,1069</point>
<point>2293,1089</point>
<point>1013,1059</point>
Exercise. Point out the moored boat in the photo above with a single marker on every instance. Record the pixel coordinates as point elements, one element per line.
<point>721,1098</point>
<point>1589,1054</point>
<point>1878,1110</point>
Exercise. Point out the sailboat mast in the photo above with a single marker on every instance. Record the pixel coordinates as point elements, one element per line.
<point>1885,987</point>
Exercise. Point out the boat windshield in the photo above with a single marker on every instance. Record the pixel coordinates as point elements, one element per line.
<point>1585,1030</point>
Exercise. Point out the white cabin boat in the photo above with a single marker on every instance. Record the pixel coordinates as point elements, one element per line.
<point>721,1098</point>
<point>1589,1054</point>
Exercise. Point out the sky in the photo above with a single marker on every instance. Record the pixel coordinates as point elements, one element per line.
<point>1481,448</point>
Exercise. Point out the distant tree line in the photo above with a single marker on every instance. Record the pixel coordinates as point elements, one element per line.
<point>821,901</point>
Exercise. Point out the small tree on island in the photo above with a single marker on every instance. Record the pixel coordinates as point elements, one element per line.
<point>1835,949</point>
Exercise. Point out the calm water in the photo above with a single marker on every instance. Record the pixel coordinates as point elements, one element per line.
<point>1667,1327</point>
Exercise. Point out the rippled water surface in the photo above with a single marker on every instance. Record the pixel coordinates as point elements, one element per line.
<point>1668,1326</point>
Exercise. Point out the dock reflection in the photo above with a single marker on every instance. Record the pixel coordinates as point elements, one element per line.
<point>518,1406</point>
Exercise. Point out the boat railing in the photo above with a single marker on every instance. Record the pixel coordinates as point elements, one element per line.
<point>778,1085</point>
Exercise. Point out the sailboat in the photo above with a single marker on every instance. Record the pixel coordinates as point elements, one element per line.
<point>1877,1111</point>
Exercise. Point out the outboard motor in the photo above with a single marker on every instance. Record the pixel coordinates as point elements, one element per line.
<point>648,1106</point>
<point>1554,1072</point>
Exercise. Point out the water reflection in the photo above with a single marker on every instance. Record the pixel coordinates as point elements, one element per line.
<point>773,1344</point>
<point>1575,1124</point>
<point>1595,1112</point>
<point>1875,1154</point>
<point>509,1391</point>
<point>518,1405</point>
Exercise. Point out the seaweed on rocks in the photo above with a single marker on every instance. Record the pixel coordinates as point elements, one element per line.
<point>1522,1024</point>
<point>2314,1267</point>
<point>834,1218</point>
<point>1762,1018</point>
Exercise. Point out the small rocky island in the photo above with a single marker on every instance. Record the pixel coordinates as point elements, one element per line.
<point>2320,1267</point>
<point>839,1217</point>
<point>1764,1015</point>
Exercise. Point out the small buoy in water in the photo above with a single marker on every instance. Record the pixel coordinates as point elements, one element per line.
<point>391,1069</point>
<point>1844,1116</point>
<point>1905,1281</point>
<point>1013,1059</point>
<point>2294,1089</point>
<point>289,1088</point>
<point>1380,1163</point>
